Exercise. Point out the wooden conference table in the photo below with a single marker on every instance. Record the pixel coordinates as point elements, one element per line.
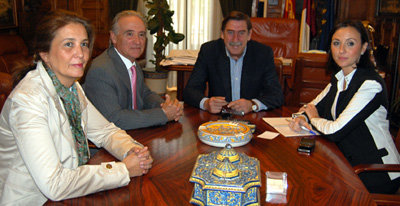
<point>324,178</point>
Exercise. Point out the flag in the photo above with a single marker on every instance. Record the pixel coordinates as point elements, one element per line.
<point>304,40</point>
<point>309,5</point>
<point>326,24</point>
<point>307,25</point>
<point>290,6</point>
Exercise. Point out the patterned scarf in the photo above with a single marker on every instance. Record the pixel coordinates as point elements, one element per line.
<point>72,107</point>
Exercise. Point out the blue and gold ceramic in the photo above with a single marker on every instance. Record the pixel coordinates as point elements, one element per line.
<point>222,132</point>
<point>226,178</point>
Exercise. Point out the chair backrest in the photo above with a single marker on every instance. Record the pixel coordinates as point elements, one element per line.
<point>101,43</point>
<point>397,140</point>
<point>5,87</point>
<point>279,71</point>
<point>12,50</point>
<point>281,34</point>
<point>310,78</point>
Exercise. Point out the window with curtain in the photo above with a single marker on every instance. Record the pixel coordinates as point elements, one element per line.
<point>199,20</point>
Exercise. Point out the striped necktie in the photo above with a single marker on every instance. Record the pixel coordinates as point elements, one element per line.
<point>133,85</point>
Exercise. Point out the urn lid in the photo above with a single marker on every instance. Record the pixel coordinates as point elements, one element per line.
<point>228,152</point>
<point>226,169</point>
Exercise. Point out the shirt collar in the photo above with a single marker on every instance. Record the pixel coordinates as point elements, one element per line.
<point>230,57</point>
<point>125,60</point>
<point>340,76</point>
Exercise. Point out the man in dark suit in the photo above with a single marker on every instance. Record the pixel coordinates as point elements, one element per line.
<point>240,72</point>
<point>115,74</point>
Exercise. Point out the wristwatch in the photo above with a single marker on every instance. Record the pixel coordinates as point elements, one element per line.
<point>254,106</point>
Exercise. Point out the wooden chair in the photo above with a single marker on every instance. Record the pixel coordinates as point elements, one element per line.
<point>279,72</point>
<point>12,50</point>
<point>382,199</point>
<point>282,35</point>
<point>310,78</point>
<point>6,86</point>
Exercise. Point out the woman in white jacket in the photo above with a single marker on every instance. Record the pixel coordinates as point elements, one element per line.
<point>47,119</point>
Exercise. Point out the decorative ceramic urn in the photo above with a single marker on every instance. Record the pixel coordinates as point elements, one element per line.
<point>226,178</point>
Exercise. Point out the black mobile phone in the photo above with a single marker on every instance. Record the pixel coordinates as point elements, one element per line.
<point>306,145</point>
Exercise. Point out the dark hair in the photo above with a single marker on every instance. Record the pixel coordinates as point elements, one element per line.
<point>238,16</point>
<point>365,59</point>
<point>44,35</point>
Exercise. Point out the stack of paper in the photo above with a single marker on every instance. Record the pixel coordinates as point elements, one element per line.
<point>281,124</point>
<point>285,61</point>
<point>180,57</point>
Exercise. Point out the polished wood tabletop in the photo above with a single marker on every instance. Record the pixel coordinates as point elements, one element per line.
<point>324,178</point>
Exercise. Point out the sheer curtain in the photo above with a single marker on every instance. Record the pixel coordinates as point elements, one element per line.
<point>199,20</point>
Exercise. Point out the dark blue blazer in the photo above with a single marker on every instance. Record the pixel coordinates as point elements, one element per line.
<point>259,78</point>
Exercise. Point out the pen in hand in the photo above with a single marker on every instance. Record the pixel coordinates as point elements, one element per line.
<point>305,128</point>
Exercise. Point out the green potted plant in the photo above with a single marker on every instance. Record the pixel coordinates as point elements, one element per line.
<point>159,22</point>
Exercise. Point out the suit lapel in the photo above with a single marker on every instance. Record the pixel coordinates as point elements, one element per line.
<point>224,72</point>
<point>139,87</point>
<point>346,96</point>
<point>59,107</point>
<point>120,68</point>
<point>246,71</point>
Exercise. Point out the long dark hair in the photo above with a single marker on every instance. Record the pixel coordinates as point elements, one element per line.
<point>365,59</point>
<point>44,35</point>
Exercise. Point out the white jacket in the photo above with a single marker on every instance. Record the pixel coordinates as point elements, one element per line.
<point>38,159</point>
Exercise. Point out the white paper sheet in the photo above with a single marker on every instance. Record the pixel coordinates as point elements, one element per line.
<point>281,124</point>
<point>180,57</point>
<point>268,135</point>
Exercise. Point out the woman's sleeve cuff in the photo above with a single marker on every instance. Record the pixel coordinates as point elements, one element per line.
<point>301,114</point>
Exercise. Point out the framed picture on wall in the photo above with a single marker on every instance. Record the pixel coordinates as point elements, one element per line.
<point>388,7</point>
<point>273,2</point>
<point>8,14</point>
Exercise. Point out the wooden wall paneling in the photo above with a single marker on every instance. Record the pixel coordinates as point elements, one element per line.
<point>388,28</point>
<point>356,9</point>
<point>342,10</point>
<point>97,12</point>
<point>70,5</point>
<point>275,8</point>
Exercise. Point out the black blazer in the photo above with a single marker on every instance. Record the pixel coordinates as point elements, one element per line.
<point>363,132</point>
<point>259,79</point>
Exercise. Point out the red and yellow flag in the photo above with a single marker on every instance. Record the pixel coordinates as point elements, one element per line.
<point>290,7</point>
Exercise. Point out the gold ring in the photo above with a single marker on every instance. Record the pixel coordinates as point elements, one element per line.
<point>305,106</point>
